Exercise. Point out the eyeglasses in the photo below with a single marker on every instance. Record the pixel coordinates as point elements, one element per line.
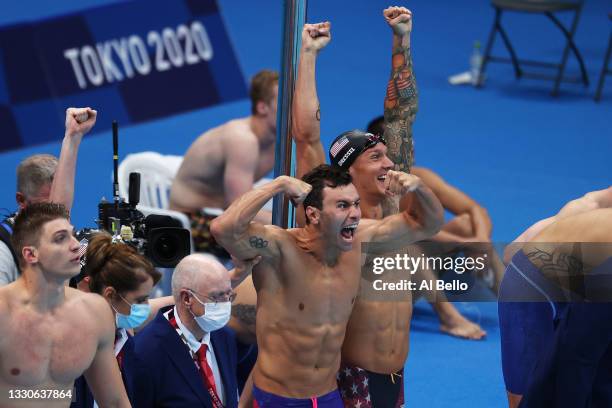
<point>228,296</point>
<point>372,141</point>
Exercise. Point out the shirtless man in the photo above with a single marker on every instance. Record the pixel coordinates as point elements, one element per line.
<point>574,368</point>
<point>554,352</point>
<point>223,163</point>
<point>519,351</point>
<point>51,334</point>
<point>308,277</point>
<point>377,334</point>
<point>592,200</point>
<point>471,224</point>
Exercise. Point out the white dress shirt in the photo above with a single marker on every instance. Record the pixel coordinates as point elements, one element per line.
<point>194,346</point>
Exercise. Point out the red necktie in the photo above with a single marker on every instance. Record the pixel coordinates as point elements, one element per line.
<point>120,354</point>
<point>205,370</point>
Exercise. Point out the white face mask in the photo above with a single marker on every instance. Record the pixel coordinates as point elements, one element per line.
<point>216,315</point>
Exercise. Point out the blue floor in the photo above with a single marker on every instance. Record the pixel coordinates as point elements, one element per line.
<point>511,146</point>
<point>444,371</point>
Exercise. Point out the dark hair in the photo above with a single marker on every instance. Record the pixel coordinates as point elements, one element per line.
<point>116,264</point>
<point>377,126</point>
<point>320,177</point>
<point>262,87</point>
<point>29,223</point>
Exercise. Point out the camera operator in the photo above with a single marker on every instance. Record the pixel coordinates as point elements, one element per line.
<point>44,178</point>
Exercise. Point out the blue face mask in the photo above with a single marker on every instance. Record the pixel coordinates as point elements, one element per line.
<point>138,314</point>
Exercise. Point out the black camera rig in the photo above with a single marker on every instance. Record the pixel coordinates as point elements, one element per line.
<point>160,238</point>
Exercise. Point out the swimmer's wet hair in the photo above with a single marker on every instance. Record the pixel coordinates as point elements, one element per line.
<point>262,88</point>
<point>30,222</point>
<point>320,177</point>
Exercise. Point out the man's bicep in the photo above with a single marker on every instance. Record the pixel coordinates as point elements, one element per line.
<point>393,232</point>
<point>257,240</point>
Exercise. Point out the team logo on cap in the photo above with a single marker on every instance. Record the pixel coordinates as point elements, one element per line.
<point>346,156</point>
<point>336,147</point>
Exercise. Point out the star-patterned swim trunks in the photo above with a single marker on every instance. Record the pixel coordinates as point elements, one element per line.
<point>361,388</point>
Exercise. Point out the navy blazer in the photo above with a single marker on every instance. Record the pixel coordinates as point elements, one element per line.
<point>165,375</point>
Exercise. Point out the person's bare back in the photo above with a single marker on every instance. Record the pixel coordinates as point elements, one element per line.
<point>199,182</point>
<point>224,162</point>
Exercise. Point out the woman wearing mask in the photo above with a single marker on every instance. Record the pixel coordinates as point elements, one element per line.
<point>124,278</point>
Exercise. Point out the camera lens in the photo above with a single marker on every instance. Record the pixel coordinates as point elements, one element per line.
<point>167,246</point>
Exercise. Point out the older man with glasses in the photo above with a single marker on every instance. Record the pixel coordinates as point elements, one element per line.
<point>190,339</point>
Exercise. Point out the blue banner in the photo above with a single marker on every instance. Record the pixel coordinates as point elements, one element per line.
<point>132,61</point>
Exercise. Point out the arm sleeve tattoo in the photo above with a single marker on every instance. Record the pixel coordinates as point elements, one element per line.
<point>401,103</point>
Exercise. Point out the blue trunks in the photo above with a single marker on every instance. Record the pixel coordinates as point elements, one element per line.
<point>265,399</point>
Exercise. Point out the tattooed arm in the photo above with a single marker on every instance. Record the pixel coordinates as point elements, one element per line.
<point>559,263</point>
<point>306,127</point>
<point>245,239</point>
<point>571,247</point>
<point>401,99</point>
<point>244,312</point>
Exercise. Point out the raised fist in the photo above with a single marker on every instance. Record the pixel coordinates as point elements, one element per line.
<point>79,121</point>
<point>295,189</point>
<point>316,36</point>
<point>399,18</point>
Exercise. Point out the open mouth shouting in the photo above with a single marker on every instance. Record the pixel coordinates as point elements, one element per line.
<point>348,232</point>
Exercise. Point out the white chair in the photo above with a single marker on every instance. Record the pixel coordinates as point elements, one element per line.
<point>156,175</point>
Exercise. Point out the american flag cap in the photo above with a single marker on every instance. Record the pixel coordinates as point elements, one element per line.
<point>349,145</point>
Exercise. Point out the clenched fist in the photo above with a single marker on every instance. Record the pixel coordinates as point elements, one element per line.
<point>398,183</point>
<point>399,18</point>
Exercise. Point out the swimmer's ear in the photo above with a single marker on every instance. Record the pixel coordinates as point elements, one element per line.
<point>313,215</point>
<point>29,254</point>
<point>261,108</point>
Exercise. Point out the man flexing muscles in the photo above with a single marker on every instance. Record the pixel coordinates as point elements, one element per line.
<point>376,343</point>
<point>308,277</point>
